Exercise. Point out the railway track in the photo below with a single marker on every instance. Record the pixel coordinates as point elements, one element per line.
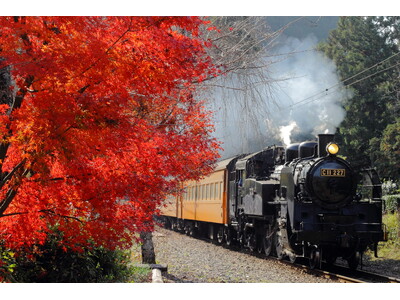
<point>360,275</point>
<point>335,272</point>
<point>343,274</point>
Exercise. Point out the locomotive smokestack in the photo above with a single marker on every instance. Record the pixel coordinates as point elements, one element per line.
<point>323,141</point>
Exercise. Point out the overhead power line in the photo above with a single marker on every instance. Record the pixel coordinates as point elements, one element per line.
<point>329,91</point>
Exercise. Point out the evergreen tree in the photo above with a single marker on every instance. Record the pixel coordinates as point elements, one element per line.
<point>360,50</point>
<point>389,157</point>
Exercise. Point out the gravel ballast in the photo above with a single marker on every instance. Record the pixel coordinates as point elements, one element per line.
<point>192,260</point>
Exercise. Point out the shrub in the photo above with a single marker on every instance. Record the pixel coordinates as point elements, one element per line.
<point>52,263</point>
<point>390,187</point>
<point>391,203</point>
<point>393,227</point>
<point>391,196</point>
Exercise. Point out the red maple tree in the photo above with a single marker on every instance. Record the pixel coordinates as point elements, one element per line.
<point>98,124</point>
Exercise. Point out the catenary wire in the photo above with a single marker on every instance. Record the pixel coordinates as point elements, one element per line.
<point>303,102</point>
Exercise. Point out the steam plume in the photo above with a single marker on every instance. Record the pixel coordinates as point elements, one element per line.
<point>307,96</point>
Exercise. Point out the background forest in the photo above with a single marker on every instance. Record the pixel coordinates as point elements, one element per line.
<point>366,53</point>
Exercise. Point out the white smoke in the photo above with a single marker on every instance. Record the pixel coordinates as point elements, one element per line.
<point>311,95</point>
<point>286,132</point>
<point>306,101</point>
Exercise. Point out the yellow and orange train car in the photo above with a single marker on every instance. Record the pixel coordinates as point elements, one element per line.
<point>203,204</point>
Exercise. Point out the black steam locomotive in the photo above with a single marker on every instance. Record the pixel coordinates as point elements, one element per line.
<point>305,201</point>
<point>302,201</point>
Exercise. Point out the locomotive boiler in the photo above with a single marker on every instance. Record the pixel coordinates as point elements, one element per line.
<point>299,201</point>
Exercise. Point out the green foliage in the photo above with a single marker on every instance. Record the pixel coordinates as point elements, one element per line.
<point>391,203</point>
<point>391,196</point>
<point>389,187</point>
<point>390,147</point>
<point>390,249</point>
<point>393,227</point>
<point>53,263</point>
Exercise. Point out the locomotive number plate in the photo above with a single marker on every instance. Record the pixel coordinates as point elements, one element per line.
<point>333,172</point>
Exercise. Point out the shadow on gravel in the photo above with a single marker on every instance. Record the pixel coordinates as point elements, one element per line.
<point>389,267</point>
<point>173,279</point>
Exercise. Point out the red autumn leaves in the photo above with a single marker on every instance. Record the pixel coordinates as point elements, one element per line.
<point>101,125</point>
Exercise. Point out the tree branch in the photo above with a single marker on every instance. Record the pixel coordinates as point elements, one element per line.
<point>108,50</point>
<point>6,202</point>
<point>9,175</point>
<point>47,211</point>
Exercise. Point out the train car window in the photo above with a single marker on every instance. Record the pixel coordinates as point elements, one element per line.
<point>217,190</point>
<point>212,190</point>
<point>194,193</point>
<point>185,190</point>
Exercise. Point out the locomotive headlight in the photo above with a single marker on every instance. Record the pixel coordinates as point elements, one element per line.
<point>332,148</point>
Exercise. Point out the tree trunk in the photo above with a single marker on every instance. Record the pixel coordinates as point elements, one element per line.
<point>148,254</point>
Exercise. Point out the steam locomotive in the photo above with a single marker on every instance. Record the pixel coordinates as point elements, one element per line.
<point>302,201</point>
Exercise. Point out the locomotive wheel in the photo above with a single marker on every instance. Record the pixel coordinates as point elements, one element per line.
<point>186,228</point>
<point>252,242</point>
<point>173,225</point>
<point>353,260</point>
<point>292,257</point>
<point>220,235</point>
<point>191,230</point>
<point>268,242</point>
<point>260,249</point>
<point>315,258</point>
<point>278,246</point>
<point>228,236</point>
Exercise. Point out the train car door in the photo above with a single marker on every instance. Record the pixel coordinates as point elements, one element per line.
<point>235,184</point>
<point>232,198</point>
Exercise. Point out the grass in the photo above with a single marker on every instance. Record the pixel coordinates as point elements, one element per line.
<point>391,248</point>
<point>139,274</point>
